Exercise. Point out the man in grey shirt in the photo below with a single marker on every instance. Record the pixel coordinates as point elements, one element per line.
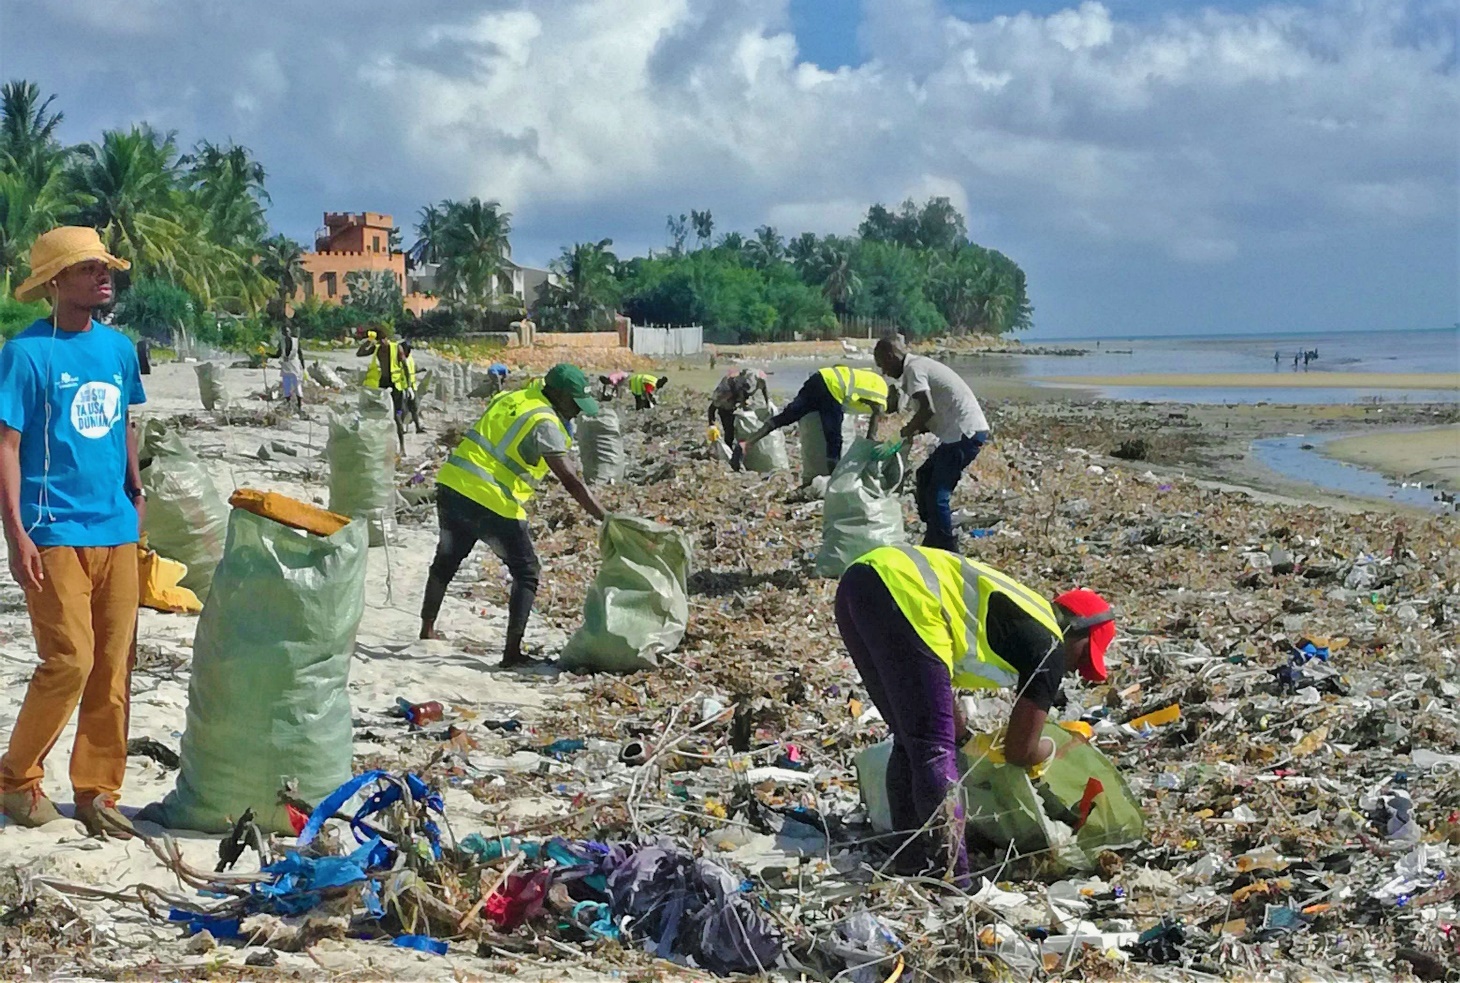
<point>944,406</point>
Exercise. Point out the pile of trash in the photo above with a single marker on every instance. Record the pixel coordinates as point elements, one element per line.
<point>1282,707</point>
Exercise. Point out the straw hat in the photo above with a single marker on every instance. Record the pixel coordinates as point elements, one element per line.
<point>59,249</point>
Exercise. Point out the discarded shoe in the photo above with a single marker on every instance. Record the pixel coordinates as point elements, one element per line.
<point>101,818</point>
<point>29,808</point>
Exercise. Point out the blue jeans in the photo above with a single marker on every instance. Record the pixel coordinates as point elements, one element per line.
<point>934,486</point>
<point>814,397</point>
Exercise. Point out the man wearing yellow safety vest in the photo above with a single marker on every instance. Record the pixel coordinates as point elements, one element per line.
<point>832,392</point>
<point>408,385</point>
<point>387,372</point>
<point>920,622</point>
<point>645,387</point>
<point>483,487</point>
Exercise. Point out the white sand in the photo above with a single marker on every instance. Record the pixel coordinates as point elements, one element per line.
<point>389,663</point>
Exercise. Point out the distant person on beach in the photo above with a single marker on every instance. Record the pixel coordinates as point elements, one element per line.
<point>291,369</point>
<point>1277,357</point>
<point>945,406</point>
<point>485,484</point>
<point>831,393</point>
<point>611,385</point>
<point>408,385</point>
<point>645,388</point>
<point>731,393</point>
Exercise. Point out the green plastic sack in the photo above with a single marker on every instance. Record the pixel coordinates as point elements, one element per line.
<point>210,386</point>
<point>814,462</point>
<point>1003,805</point>
<point>768,454</point>
<point>361,454</point>
<point>861,510</point>
<point>268,702</point>
<point>600,443</point>
<point>187,520</point>
<point>638,605</point>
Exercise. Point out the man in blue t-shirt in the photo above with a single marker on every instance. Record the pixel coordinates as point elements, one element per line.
<point>71,507</point>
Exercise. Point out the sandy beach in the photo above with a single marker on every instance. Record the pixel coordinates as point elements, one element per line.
<point>757,616</point>
<point>1430,455</point>
<point>1268,380</point>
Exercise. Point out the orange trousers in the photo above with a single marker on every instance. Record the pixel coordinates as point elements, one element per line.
<point>85,619</point>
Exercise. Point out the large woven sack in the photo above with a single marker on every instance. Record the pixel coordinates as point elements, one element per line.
<point>361,452</point>
<point>210,386</point>
<point>861,510</point>
<point>186,518</point>
<point>600,443</point>
<point>768,454</point>
<point>638,605</point>
<point>814,462</point>
<point>267,699</point>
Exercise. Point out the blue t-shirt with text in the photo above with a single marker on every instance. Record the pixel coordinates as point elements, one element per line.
<point>86,380</point>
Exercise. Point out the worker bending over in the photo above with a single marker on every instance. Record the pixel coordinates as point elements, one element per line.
<point>830,393</point>
<point>645,388</point>
<point>734,392</point>
<point>945,406</point>
<point>922,622</point>
<point>483,487</point>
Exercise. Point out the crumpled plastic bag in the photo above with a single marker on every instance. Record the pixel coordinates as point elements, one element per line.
<point>158,578</point>
<point>862,510</point>
<point>637,607</point>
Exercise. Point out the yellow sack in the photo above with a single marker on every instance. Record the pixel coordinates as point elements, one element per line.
<point>159,579</point>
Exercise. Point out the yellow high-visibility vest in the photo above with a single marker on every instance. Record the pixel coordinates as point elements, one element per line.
<point>639,380</point>
<point>408,372</point>
<point>487,466</point>
<point>946,598</point>
<point>397,372</point>
<point>858,390</point>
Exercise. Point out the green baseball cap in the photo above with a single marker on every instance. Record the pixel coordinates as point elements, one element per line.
<point>570,380</point>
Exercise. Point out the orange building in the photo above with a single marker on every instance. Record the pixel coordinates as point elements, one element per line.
<point>350,242</point>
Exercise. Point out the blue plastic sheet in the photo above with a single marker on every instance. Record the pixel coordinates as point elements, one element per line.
<point>422,942</point>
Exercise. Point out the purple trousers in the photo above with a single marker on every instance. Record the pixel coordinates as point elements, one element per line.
<point>912,689</point>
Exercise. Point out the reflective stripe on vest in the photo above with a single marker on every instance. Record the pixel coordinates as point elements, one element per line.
<point>858,390</point>
<point>492,472</point>
<point>397,366</point>
<point>962,641</point>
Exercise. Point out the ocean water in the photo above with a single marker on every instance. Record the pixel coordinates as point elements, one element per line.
<point>1377,352</point>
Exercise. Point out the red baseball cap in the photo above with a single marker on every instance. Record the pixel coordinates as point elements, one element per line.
<point>1093,615</point>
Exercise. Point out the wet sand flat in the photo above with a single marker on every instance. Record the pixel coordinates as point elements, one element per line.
<point>1431,454</point>
<point>1270,380</point>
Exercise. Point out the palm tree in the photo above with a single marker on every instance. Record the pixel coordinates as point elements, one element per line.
<point>704,226</point>
<point>767,248</point>
<point>586,295</point>
<point>34,197</point>
<point>839,280</point>
<point>281,260</point>
<point>27,126</point>
<point>429,229</point>
<point>802,253</point>
<point>229,186</point>
<point>473,246</point>
<point>734,244</point>
<point>130,177</point>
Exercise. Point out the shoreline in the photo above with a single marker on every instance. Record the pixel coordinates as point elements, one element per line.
<point>1261,380</point>
<point>1429,455</point>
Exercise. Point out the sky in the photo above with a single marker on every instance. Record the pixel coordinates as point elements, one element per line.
<point>1156,168</point>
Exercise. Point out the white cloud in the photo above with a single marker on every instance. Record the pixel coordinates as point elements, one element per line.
<point>1197,138</point>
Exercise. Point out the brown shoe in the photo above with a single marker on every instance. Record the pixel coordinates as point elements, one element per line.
<point>29,808</point>
<point>101,818</point>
